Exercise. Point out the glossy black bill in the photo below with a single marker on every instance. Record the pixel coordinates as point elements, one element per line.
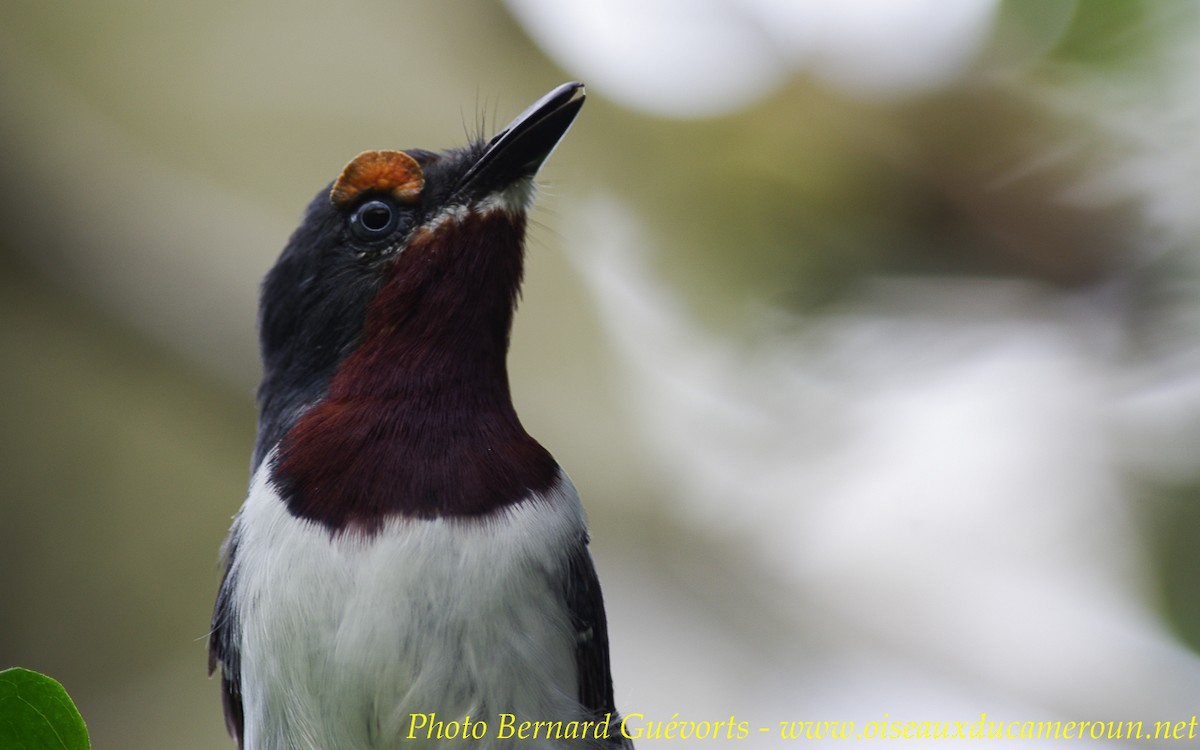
<point>519,150</point>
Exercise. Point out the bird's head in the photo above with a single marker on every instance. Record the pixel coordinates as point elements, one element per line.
<point>402,279</point>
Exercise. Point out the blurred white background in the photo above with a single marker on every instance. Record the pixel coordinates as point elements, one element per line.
<point>868,331</point>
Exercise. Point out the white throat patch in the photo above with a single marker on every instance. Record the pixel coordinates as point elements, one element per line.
<point>513,200</point>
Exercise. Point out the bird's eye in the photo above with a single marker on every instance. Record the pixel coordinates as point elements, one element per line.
<point>374,220</point>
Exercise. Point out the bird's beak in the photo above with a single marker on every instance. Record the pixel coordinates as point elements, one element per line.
<point>519,150</point>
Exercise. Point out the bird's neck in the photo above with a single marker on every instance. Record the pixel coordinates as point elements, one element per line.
<point>418,419</point>
<point>440,343</point>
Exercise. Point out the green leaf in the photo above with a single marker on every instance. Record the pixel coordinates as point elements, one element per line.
<point>37,714</point>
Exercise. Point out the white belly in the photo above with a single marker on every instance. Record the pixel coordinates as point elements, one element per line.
<point>344,638</point>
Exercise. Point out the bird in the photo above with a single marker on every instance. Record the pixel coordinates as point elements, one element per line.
<point>410,567</point>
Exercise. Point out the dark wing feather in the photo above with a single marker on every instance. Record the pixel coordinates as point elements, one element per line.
<point>586,605</point>
<point>223,649</point>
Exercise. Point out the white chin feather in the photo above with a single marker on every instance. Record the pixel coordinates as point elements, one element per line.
<point>514,200</point>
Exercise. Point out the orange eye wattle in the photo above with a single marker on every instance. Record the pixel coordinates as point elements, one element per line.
<point>393,173</point>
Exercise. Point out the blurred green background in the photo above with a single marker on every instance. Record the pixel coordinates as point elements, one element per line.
<point>870,340</point>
